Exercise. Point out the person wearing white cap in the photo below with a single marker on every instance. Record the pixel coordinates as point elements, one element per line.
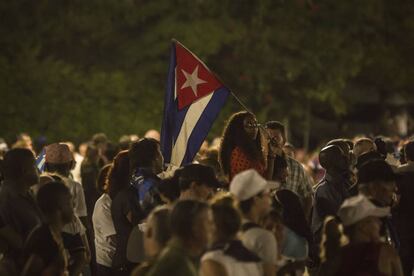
<point>365,254</point>
<point>253,193</point>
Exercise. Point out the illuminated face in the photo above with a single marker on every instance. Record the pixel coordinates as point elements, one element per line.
<point>251,127</point>
<point>276,140</point>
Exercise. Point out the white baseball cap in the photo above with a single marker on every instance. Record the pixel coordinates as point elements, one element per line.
<point>359,207</point>
<point>249,183</point>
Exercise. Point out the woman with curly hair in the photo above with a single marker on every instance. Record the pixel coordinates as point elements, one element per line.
<point>241,147</point>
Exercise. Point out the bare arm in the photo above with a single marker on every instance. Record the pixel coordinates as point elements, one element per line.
<point>269,269</point>
<point>212,268</point>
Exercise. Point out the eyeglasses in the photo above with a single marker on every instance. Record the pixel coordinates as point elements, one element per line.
<point>252,125</point>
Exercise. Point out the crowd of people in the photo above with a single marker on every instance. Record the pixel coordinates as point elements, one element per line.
<point>249,204</point>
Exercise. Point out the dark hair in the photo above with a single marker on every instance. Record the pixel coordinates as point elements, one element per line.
<point>119,173</point>
<point>409,150</point>
<point>226,219</point>
<point>342,144</point>
<point>183,217</point>
<point>102,180</point>
<point>14,162</point>
<point>280,164</point>
<point>199,174</point>
<point>169,187</point>
<point>50,195</point>
<point>142,153</point>
<point>276,125</point>
<point>246,205</point>
<point>111,151</point>
<point>161,219</point>
<point>91,155</point>
<point>62,169</point>
<point>233,136</point>
<point>99,138</point>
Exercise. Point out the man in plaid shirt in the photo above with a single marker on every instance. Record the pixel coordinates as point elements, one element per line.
<point>297,180</point>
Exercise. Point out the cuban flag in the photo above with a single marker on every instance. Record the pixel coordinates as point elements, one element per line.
<point>193,100</point>
<point>41,160</point>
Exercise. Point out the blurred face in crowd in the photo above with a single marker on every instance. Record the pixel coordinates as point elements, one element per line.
<point>201,191</point>
<point>263,203</point>
<point>159,161</point>
<point>203,228</point>
<point>276,140</point>
<point>251,127</point>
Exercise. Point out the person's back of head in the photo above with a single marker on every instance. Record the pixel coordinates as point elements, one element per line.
<point>342,144</point>
<point>19,165</point>
<point>145,153</point>
<point>363,145</point>
<point>409,151</point>
<point>59,159</point>
<point>333,159</point>
<point>102,180</point>
<point>185,218</point>
<point>54,198</point>
<point>169,188</point>
<point>99,139</point>
<point>197,174</point>
<point>226,218</point>
<point>119,173</point>
<point>158,231</point>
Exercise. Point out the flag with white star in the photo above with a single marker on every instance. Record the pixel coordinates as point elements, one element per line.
<point>193,100</point>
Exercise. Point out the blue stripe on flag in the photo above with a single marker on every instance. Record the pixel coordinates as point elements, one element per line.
<point>200,131</point>
<point>173,118</point>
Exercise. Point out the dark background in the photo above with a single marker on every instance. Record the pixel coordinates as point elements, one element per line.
<point>69,69</point>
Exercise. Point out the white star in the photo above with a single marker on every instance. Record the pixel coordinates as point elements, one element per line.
<point>192,80</point>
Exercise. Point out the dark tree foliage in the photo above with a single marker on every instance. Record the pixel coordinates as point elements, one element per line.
<point>72,68</point>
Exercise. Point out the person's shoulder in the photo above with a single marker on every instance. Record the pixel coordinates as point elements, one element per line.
<point>293,162</point>
<point>259,234</point>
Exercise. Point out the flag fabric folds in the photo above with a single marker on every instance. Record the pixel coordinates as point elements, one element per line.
<point>41,160</point>
<point>193,100</point>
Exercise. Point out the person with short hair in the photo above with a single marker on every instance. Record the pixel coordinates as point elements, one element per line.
<point>157,233</point>
<point>253,193</point>
<point>191,222</point>
<point>362,146</point>
<point>44,250</point>
<point>197,182</point>
<point>297,181</point>
<point>228,256</point>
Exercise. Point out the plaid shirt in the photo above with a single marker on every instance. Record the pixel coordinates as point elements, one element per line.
<point>297,180</point>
